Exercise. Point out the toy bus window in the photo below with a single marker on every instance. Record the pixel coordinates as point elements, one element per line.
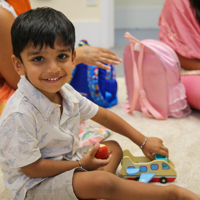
<point>143,169</point>
<point>165,166</point>
<point>154,167</point>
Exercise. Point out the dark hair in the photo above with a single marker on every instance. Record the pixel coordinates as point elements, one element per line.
<point>196,5</point>
<point>41,26</point>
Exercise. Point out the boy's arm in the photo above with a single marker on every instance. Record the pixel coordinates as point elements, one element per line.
<point>117,124</point>
<point>47,168</point>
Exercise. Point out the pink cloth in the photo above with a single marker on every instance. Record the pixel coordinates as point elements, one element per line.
<point>192,83</point>
<point>179,28</point>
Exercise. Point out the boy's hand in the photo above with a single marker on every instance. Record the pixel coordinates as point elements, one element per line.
<point>89,162</point>
<point>154,146</point>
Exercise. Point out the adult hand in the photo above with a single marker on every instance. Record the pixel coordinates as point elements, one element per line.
<point>90,55</point>
<point>154,146</point>
<point>89,162</point>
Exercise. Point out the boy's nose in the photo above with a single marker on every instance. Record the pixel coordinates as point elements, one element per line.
<point>53,67</point>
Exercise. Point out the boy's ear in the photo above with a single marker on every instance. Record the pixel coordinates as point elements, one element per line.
<point>74,57</point>
<point>19,67</point>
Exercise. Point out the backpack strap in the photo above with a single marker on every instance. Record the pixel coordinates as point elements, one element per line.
<point>146,107</point>
<point>135,79</point>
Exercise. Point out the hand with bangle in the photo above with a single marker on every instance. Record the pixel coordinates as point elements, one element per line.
<point>153,145</point>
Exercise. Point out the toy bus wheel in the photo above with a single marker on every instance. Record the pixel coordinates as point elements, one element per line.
<point>163,180</point>
<point>137,178</point>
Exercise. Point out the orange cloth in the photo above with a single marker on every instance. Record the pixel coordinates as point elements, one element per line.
<point>20,6</point>
<point>5,93</point>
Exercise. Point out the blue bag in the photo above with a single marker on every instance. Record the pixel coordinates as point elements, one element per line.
<point>96,84</point>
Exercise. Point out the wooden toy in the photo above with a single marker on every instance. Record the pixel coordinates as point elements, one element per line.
<point>141,168</point>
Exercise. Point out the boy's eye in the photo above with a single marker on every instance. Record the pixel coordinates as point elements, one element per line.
<point>38,59</point>
<point>62,56</point>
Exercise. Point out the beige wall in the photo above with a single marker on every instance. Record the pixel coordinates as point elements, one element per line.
<point>137,13</point>
<point>120,3</point>
<point>93,23</point>
<point>75,10</point>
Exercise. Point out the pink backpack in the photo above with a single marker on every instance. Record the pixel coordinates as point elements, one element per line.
<point>153,80</point>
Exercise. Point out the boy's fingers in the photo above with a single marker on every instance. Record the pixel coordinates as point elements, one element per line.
<point>104,161</point>
<point>164,153</point>
<point>150,156</point>
<point>165,149</point>
<point>94,149</point>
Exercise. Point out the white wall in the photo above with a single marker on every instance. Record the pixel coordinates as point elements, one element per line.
<point>120,3</point>
<point>93,23</point>
<point>137,13</point>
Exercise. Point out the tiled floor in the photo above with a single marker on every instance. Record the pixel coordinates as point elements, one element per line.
<point>121,42</point>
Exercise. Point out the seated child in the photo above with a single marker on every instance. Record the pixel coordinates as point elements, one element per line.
<point>39,148</point>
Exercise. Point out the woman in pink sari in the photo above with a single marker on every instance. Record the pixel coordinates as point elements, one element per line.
<point>180,28</point>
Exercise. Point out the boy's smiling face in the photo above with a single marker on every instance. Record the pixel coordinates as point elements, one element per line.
<point>47,69</point>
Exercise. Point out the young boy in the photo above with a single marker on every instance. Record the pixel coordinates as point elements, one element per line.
<point>39,149</point>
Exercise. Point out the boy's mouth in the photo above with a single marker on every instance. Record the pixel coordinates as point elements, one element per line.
<point>52,80</point>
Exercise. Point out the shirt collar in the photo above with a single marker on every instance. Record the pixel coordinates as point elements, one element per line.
<point>40,101</point>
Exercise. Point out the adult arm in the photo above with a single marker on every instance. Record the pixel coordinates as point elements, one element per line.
<point>115,123</point>
<point>7,70</point>
<point>90,55</point>
<point>189,63</point>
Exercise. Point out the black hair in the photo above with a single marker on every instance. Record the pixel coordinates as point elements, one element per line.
<point>196,5</point>
<point>41,26</point>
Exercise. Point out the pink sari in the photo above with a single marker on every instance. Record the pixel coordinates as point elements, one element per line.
<point>180,30</point>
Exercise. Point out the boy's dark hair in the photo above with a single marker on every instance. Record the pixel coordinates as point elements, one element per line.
<point>41,26</point>
<point>196,5</point>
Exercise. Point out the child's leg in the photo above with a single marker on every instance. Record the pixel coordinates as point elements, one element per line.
<point>116,152</point>
<point>105,185</point>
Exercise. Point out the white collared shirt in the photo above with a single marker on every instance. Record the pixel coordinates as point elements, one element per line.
<point>31,128</point>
